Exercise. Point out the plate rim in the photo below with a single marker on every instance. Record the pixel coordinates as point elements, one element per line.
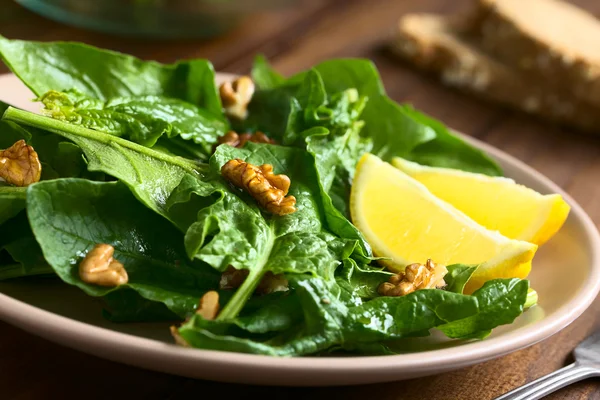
<point>268,370</point>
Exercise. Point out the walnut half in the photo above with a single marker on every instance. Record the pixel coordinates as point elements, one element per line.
<point>20,165</point>
<point>268,189</point>
<point>236,96</point>
<point>100,268</point>
<point>415,277</point>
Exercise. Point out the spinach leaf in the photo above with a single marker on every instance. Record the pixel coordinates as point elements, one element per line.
<point>532,298</point>
<point>69,216</point>
<point>263,75</point>
<point>359,284</point>
<point>127,305</point>
<point>151,175</point>
<point>105,74</point>
<point>12,201</point>
<point>330,325</point>
<point>141,119</point>
<point>447,150</point>
<point>29,259</point>
<point>276,312</point>
<point>500,302</point>
<point>59,158</point>
<point>17,240</point>
<point>457,277</point>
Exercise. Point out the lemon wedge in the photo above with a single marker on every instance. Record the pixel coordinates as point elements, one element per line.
<point>405,223</point>
<point>497,203</point>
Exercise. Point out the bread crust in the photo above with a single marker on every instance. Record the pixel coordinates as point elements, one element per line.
<point>534,49</point>
<point>442,45</point>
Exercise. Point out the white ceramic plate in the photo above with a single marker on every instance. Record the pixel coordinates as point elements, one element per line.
<point>566,274</point>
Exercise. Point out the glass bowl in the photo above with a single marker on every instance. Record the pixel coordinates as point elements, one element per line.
<point>153,18</point>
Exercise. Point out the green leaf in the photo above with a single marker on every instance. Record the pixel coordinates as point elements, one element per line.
<point>457,277</point>
<point>263,75</point>
<point>359,284</point>
<point>17,240</point>
<point>345,73</point>
<point>28,254</point>
<point>500,302</point>
<point>12,201</point>
<point>532,298</point>
<point>387,318</point>
<point>126,305</point>
<point>328,324</point>
<point>70,216</point>
<point>448,150</point>
<point>151,175</point>
<point>141,119</point>
<point>105,74</point>
<point>276,312</point>
<point>311,93</point>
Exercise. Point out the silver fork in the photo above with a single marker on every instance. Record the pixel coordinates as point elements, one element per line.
<point>586,365</point>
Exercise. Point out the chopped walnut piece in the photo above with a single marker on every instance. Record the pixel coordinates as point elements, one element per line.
<point>233,278</point>
<point>271,282</point>
<point>268,189</point>
<point>236,96</point>
<point>233,139</point>
<point>20,165</point>
<point>256,137</point>
<point>100,268</point>
<point>415,277</point>
<point>178,339</point>
<point>208,308</point>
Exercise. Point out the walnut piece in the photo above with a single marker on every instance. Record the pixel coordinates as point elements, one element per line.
<point>268,189</point>
<point>233,139</point>
<point>236,96</point>
<point>178,339</point>
<point>208,308</point>
<point>233,278</point>
<point>415,277</point>
<point>20,165</point>
<point>271,283</point>
<point>100,268</point>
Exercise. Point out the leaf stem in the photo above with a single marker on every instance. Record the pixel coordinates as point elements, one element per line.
<point>66,129</point>
<point>14,191</point>
<point>532,299</point>
<point>241,296</point>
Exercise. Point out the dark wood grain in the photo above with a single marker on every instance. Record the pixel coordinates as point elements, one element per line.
<point>33,368</point>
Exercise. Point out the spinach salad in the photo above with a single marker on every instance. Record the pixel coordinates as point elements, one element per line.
<point>131,156</point>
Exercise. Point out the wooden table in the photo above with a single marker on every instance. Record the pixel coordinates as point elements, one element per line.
<point>32,368</point>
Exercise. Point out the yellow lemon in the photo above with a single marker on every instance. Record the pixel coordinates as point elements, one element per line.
<point>497,203</point>
<point>405,223</point>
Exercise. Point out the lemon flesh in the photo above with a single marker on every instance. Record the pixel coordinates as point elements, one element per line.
<point>405,223</point>
<point>497,203</point>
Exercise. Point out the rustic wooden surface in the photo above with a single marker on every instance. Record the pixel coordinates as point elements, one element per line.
<point>32,368</point>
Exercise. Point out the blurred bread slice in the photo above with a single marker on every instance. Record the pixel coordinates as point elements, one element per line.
<point>438,44</point>
<point>551,38</point>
